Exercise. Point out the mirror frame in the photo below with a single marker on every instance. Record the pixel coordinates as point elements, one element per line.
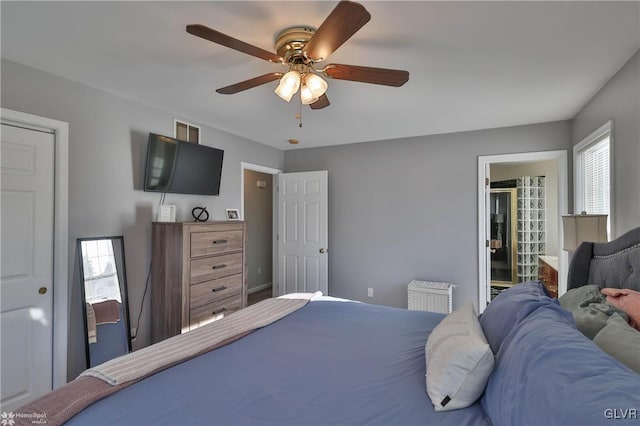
<point>122,280</point>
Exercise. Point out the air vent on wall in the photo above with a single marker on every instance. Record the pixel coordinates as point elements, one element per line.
<point>186,131</point>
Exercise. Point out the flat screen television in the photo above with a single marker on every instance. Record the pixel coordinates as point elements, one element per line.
<point>182,167</point>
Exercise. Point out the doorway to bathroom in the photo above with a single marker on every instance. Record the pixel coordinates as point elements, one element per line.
<point>520,203</point>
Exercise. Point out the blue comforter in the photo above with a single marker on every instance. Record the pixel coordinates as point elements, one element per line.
<point>330,363</point>
<point>547,372</point>
<point>343,363</point>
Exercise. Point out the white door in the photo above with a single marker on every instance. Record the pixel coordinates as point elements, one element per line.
<point>302,232</point>
<point>487,233</point>
<point>27,206</point>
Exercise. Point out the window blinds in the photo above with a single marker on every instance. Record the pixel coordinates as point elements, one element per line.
<point>595,167</point>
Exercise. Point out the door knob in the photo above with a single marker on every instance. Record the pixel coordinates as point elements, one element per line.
<point>492,250</point>
<point>322,250</point>
<point>42,290</point>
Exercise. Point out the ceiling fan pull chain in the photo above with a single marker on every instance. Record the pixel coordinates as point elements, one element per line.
<point>299,114</point>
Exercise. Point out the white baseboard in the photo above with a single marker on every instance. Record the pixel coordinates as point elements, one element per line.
<point>258,288</point>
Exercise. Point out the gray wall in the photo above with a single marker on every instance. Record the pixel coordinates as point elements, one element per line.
<point>399,209</point>
<point>107,148</point>
<point>549,169</point>
<point>408,208</point>
<point>619,100</point>
<point>258,213</point>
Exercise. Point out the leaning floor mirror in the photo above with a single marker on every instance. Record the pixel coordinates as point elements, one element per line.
<point>104,294</point>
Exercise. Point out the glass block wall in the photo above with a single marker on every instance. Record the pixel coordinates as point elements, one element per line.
<point>531,225</point>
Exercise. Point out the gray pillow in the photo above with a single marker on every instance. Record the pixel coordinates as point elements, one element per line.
<point>621,341</point>
<point>458,360</point>
<point>590,308</point>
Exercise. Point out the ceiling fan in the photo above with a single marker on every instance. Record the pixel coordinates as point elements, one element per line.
<point>300,49</point>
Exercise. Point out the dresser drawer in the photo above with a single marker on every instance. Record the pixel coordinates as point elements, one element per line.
<point>214,267</point>
<point>216,242</point>
<point>214,290</point>
<point>204,314</point>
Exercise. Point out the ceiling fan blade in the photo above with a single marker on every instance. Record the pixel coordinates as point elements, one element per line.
<point>322,102</point>
<point>384,76</point>
<point>249,84</point>
<point>230,42</point>
<point>343,22</point>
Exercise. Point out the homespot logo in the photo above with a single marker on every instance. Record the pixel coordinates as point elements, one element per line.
<point>9,419</point>
<point>621,413</point>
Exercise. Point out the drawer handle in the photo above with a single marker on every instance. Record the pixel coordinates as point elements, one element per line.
<point>220,241</point>
<point>219,266</point>
<point>224,287</point>
<point>219,311</point>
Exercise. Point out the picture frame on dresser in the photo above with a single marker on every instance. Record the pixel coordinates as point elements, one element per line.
<point>233,214</point>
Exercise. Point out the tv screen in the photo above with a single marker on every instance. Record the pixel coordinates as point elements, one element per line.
<point>182,167</point>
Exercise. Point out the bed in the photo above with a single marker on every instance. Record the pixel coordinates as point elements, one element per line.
<point>318,360</point>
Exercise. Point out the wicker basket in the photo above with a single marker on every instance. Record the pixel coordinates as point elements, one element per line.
<point>430,296</point>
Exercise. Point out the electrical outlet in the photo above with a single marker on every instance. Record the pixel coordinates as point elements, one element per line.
<point>370,292</point>
<point>259,269</point>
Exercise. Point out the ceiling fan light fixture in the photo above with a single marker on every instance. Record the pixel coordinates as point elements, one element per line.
<point>306,95</point>
<point>289,84</point>
<point>316,84</point>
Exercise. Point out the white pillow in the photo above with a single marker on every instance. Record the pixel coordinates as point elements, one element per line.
<point>459,360</point>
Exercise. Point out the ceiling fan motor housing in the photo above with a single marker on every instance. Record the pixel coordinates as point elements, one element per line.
<point>290,44</point>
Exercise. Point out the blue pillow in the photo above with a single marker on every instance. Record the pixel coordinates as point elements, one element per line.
<point>509,308</point>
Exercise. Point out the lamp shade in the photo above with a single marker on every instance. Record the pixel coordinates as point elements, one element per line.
<point>583,227</point>
<point>289,84</point>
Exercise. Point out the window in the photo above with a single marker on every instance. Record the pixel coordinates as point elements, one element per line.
<point>100,273</point>
<point>186,132</point>
<point>593,186</point>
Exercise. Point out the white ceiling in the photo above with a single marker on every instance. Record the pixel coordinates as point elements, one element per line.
<point>473,65</point>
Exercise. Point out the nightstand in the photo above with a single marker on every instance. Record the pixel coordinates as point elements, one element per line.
<point>548,274</point>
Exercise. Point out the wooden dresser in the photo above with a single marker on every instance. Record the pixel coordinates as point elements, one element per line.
<point>548,274</point>
<point>198,274</point>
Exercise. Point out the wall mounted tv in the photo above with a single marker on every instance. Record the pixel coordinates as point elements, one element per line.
<point>182,167</point>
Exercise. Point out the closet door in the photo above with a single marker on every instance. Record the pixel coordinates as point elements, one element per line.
<point>27,264</point>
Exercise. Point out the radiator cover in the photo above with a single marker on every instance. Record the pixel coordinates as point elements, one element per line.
<point>430,296</point>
